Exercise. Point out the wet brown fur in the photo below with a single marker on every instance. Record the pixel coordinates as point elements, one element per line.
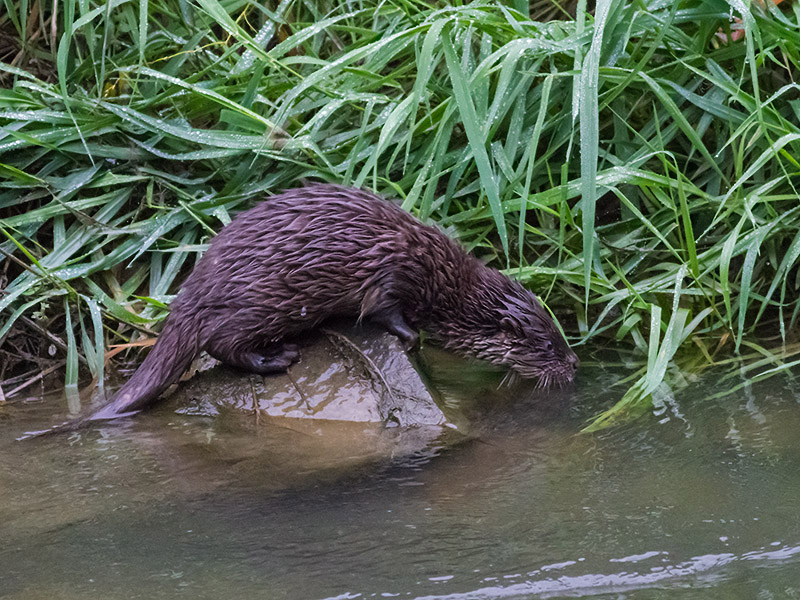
<point>321,251</point>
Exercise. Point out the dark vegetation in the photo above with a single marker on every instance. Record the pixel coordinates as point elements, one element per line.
<point>635,163</point>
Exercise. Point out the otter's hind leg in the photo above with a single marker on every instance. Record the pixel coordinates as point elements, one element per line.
<point>274,358</point>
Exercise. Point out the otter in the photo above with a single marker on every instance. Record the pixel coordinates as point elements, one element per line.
<point>324,250</point>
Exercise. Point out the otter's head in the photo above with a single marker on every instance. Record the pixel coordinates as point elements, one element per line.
<point>526,339</point>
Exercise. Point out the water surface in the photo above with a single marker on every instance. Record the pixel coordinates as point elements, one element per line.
<point>700,500</point>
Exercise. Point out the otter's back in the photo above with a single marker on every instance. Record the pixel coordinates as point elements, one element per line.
<point>303,253</point>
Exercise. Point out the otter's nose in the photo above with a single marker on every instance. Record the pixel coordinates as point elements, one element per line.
<point>574,361</point>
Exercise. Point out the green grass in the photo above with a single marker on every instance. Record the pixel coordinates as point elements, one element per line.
<point>629,165</point>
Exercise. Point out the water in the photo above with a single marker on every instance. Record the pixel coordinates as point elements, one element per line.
<point>700,501</point>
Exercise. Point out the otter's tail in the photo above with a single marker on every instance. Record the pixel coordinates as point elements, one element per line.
<point>176,348</point>
<point>172,354</point>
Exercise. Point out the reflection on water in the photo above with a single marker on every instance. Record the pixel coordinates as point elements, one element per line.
<point>697,501</point>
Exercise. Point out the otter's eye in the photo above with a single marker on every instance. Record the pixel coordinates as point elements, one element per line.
<point>548,346</point>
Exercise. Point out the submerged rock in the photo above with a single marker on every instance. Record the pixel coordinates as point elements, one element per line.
<point>353,401</point>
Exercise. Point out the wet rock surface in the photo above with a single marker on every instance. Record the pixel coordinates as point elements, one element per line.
<point>355,374</point>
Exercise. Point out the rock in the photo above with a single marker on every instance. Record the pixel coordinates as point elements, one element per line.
<point>355,374</point>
